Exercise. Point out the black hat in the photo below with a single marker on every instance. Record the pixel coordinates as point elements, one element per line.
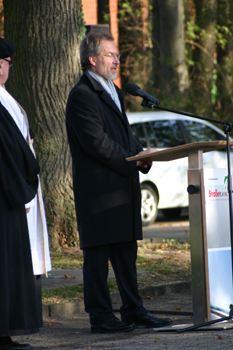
<point>6,48</point>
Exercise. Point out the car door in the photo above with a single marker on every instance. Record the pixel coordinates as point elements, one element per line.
<point>169,178</point>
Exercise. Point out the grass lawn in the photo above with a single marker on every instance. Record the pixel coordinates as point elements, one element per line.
<point>166,261</point>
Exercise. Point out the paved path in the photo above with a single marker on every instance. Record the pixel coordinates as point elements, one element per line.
<point>62,277</point>
<point>73,332</point>
<point>67,277</point>
<point>176,227</point>
<point>167,230</point>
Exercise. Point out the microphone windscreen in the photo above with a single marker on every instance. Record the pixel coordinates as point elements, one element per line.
<point>132,88</point>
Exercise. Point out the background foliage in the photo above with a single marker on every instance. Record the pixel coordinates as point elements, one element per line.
<point>208,34</point>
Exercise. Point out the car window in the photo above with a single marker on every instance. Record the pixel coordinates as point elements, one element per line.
<point>139,134</point>
<point>201,132</point>
<point>164,133</point>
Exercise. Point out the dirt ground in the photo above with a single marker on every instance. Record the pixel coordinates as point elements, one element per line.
<point>178,257</point>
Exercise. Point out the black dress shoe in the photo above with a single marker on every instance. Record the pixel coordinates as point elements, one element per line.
<point>113,326</point>
<point>151,321</point>
<point>11,345</point>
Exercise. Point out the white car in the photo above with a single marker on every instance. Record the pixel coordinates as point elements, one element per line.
<point>165,186</point>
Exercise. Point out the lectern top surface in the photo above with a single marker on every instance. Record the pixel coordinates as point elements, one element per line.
<point>182,151</point>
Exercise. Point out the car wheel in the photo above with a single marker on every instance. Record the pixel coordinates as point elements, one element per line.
<point>170,213</point>
<point>149,206</point>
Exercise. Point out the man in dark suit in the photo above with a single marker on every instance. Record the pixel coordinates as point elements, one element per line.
<point>106,187</point>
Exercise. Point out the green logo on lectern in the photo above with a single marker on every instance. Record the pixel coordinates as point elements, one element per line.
<point>226,181</point>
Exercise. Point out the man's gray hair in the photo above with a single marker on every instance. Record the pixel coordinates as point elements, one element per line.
<point>91,45</point>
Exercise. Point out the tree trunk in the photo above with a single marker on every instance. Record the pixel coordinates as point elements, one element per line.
<point>103,10</point>
<point>46,35</point>
<point>132,43</point>
<point>156,44</point>
<point>224,101</point>
<point>206,15</point>
<point>168,43</point>
<point>203,77</point>
<point>1,19</point>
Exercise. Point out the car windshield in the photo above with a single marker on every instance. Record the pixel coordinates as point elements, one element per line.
<point>201,132</point>
<point>170,133</point>
<point>139,134</point>
<point>164,133</point>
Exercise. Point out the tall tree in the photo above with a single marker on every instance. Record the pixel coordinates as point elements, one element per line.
<point>170,68</point>
<point>204,56</point>
<point>1,19</point>
<point>103,11</point>
<point>46,35</point>
<point>206,19</point>
<point>224,100</point>
<point>133,45</point>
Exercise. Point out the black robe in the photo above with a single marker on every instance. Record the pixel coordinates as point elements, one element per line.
<point>20,311</point>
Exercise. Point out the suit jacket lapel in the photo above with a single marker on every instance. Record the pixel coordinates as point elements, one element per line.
<point>107,98</point>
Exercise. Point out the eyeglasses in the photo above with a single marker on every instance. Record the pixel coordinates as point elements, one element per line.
<point>9,61</point>
<point>112,56</point>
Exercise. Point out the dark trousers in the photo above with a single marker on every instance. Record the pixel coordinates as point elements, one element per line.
<point>95,273</point>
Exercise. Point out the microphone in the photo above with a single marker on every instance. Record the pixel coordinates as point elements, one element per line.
<point>134,89</point>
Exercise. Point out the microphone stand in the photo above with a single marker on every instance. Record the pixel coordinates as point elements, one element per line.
<point>227,129</point>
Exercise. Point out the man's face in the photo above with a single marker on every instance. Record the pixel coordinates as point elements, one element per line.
<point>106,63</point>
<point>4,70</point>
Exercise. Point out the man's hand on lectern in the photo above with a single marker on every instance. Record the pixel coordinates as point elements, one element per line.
<point>147,162</point>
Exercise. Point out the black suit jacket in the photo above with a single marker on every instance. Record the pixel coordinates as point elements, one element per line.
<point>106,186</point>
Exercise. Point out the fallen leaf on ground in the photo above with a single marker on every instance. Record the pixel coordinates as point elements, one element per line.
<point>67,276</point>
<point>50,324</point>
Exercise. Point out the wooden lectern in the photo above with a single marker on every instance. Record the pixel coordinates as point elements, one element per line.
<point>197,219</point>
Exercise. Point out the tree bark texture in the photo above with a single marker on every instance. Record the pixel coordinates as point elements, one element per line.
<point>206,16</point>
<point>133,46</point>
<point>204,56</point>
<point>46,36</point>
<point>103,10</point>
<point>225,58</point>
<point>168,43</point>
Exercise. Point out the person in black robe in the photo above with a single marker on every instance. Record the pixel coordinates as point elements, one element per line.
<point>20,304</point>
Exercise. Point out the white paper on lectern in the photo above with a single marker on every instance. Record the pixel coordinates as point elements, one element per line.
<point>218,239</point>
